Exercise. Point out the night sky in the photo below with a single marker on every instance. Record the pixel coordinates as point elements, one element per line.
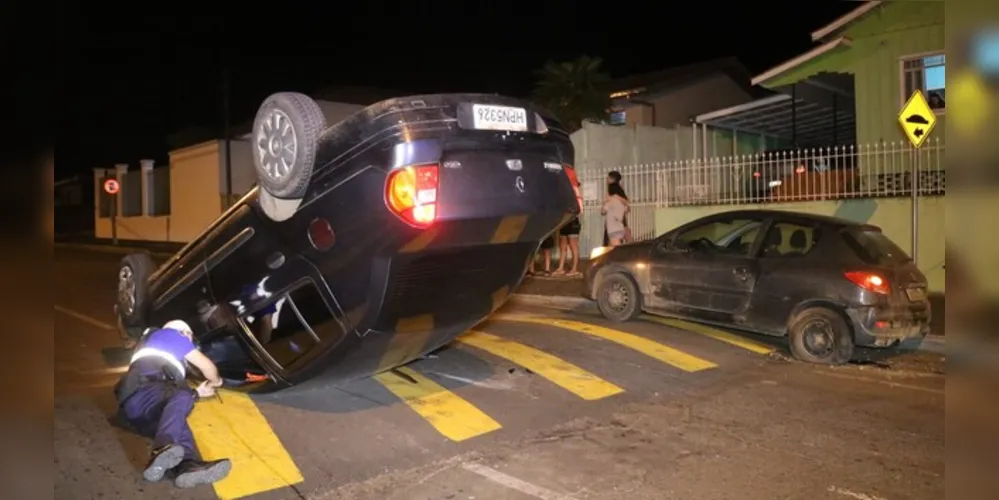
<point>135,72</point>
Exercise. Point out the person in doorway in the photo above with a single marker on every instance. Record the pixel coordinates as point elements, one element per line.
<point>615,210</point>
<point>546,251</point>
<point>568,241</point>
<point>614,179</point>
<point>154,398</point>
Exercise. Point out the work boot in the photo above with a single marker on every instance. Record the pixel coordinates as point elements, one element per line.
<point>191,473</point>
<point>163,459</point>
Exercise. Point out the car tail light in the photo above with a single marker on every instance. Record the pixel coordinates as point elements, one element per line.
<point>411,193</point>
<point>570,172</point>
<point>873,282</point>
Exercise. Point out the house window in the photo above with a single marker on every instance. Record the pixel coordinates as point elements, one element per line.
<point>925,73</point>
<point>618,117</point>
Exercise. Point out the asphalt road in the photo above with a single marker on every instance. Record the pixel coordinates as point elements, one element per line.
<point>535,404</point>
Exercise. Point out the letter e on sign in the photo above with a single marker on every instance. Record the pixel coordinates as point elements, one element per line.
<point>111,186</point>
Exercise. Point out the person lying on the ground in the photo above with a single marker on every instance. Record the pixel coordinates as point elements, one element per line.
<point>155,400</point>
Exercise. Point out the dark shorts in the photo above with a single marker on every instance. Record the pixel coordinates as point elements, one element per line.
<point>548,243</point>
<point>572,228</point>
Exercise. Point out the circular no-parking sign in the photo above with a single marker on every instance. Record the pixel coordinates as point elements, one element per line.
<point>111,186</point>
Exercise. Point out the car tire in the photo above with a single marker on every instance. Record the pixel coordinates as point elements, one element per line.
<point>820,335</point>
<point>618,298</point>
<point>284,144</point>
<point>133,291</point>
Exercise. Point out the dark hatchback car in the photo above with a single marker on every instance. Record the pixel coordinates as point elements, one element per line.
<point>366,244</point>
<point>828,284</point>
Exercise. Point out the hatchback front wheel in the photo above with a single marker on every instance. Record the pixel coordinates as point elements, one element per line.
<point>618,298</point>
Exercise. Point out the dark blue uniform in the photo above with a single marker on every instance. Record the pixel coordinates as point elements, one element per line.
<point>154,398</point>
<point>158,402</point>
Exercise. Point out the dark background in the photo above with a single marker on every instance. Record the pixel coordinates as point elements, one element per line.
<point>133,73</point>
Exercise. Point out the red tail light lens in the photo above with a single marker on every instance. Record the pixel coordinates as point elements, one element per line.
<point>873,282</point>
<point>571,174</point>
<point>411,193</point>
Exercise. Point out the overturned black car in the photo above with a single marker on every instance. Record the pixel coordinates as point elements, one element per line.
<point>366,244</point>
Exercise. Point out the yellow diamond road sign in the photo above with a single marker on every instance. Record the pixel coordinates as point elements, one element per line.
<point>917,119</point>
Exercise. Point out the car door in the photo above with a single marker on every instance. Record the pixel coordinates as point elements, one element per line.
<point>181,290</point>
<point>707,270</point>
<point>790,271</point>
<point>253,271</point>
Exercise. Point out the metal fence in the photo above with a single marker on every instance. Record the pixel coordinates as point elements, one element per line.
<point>856,171</point>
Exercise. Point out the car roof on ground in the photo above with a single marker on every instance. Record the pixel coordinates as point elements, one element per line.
<point>828,219</point>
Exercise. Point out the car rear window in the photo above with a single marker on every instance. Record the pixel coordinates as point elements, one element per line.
<point>874,247</point>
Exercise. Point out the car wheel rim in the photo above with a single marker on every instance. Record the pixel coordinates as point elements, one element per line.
<point>819,338</point>
<point>126,290</point>
<point>617,297</point>
<point>277,145</point>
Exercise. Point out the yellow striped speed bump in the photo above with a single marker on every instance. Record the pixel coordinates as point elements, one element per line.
<point>715,333</point>
<point>661,352</point>
<point>566,375</point>
<point>451,415</point>
<point>231,426</point>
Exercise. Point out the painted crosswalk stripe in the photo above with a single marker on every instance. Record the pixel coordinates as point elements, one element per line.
<point>566,375</point>
<point>707,331</point>
<point>231,426</point>
<point>661,352</point>
<point>451,415</point>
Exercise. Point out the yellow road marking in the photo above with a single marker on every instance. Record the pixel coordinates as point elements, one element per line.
<point>509,229</point>
<point>411,334</point>
<point>664,353</point>
<point>451,415</point>
<point>232,427</point>
<point>566,375</point>
<point>421,241</point>
<point>714,333</point>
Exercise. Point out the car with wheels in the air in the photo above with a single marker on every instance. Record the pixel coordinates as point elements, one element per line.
<point>827,284</point>
<point>365,244</point>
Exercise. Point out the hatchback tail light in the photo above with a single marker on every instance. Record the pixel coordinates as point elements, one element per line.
<point>411,194</point>
<point>873,282</point>
<point>570,172</point>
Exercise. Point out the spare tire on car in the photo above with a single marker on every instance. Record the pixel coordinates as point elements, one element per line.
<point>286,134</point>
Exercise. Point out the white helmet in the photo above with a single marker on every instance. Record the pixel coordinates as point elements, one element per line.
<point>180,326</point>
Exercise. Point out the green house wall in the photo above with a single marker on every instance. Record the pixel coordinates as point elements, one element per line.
<point>880,40</point>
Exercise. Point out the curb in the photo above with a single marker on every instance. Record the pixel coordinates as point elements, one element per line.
<point>111,249</point>
<point>932,343</point>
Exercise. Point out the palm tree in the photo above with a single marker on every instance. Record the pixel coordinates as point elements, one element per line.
<point>574,91</point>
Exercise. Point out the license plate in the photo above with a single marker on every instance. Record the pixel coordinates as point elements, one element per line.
<point>916,294</point>
<point>487,117</point>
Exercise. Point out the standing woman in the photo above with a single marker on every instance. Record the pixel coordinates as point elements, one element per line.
<point>615,210</point>
<point>614,179</point>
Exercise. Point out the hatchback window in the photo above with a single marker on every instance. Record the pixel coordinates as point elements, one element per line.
<point>790,240</point>
<point>731,236</point>
<point>873,247</point>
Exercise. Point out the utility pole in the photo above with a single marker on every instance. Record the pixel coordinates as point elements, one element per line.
<point>225,133</point>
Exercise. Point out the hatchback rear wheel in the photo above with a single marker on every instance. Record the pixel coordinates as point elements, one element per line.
<point>618,298</point>
<point>820,335</point>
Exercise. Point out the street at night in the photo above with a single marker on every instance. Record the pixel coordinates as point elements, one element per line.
<point>534,403</point>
